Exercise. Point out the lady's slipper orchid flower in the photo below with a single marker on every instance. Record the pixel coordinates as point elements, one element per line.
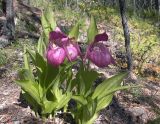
<point>98,53</point>
<point>55,55</point>
<point>60,47</point>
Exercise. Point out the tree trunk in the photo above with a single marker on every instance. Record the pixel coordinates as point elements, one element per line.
<point>10,25</point>
<point>122,5</point>
<point>134,7</point>
<point>113,2</point>
<point>3,6</point>
<point>157,3</point>
<point>66,4</point>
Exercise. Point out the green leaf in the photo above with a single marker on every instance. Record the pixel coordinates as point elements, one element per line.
<point>85,82</point>
<point>25,74</point>
<point>80,99</point>
<point>50,74</point>
<point>88,111</point>
<point>80,83</point>
<point>42,44</point>
<point>92,30</point>
<point>55,101</point>
<point>58,93</point>
<point>69,78</point>
<point>45,25</point>
<point>49,106</point>
<point>55,84</point>
<point>32,55</point>
<point>108,84</point>
<point>60,75</point>
<point>26,60</point>
<point>89,79</point>
<point>31,101</point>
<point>40,62</point>
<point>31,88</point>
<point>48,21</point>
<point>47,73</point>
<point>104,102</point>
<point>85,116</point>
<point>50,18</point>
<point>50,96</point>
<point>64,100</point>
<point>92,106</point>
<point>111,91</point>
<point>65,74</point>
<point>41,91</point>
<point>94,117</point>
<point>74,32</point>
<point>28,84</point>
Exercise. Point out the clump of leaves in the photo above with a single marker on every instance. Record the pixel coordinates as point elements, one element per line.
<point>50,84</point>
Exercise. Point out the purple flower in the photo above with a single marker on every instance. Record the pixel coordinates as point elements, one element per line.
<point>60,47</point>
<point>58,37</point>
<point>72,52</point>
<point>98,53</point>
<point>55,55</point>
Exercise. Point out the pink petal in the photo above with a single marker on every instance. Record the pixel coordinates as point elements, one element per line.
<point>56,35</point>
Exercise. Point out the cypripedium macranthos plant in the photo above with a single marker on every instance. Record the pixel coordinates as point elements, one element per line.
<point>49,83</point>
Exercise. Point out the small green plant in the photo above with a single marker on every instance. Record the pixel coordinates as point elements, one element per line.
<point>3,58</point>
<point>136,92</point>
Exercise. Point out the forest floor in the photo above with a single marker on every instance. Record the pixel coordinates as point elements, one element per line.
<point>134,106</point>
